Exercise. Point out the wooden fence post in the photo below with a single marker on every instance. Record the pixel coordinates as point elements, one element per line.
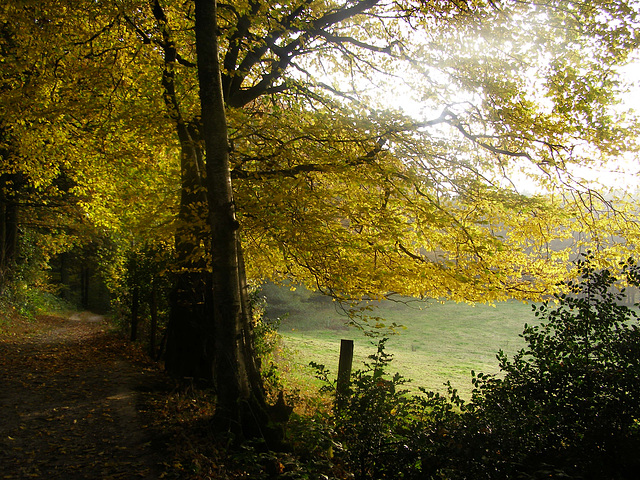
<point>344,372</point>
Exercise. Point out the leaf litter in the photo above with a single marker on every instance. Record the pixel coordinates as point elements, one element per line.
<point>73,400</point>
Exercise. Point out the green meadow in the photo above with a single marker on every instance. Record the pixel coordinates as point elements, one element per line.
<point>435,343</point>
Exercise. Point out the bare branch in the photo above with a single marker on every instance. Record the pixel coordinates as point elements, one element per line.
<point>342,39</point>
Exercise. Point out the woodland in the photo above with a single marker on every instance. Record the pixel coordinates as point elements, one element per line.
<point>161,160</point>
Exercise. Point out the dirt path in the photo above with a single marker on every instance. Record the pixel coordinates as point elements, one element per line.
<point>72,403</point>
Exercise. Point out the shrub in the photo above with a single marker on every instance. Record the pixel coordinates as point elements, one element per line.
<point>568,404</point>
<point>383,432</point>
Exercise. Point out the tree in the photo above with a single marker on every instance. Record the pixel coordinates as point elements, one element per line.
<point>72,168</point>
<point>236,373</point>
<point>363,176</point>
<point>276,51</point>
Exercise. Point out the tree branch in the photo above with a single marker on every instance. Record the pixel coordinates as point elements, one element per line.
<point>341,39</point>
<point>237,96</point>
<point>147,39</point>
<point>367,158</point>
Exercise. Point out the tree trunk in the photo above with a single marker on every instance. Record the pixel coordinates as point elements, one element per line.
<point>135,308</point>
<point>189,347</point>
<point>64,275</point>
<point>153,330</point>
<point>189,350</point>
<point>241,402</point>
<point>8,227</point>
<point>85,276</point>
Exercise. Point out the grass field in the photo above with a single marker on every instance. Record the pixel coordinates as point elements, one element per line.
<point>439,341</point>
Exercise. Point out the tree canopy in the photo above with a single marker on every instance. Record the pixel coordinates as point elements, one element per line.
<point>336,185</point>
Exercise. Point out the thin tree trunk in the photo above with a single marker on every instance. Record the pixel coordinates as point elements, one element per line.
<point>64,275</point>
<point>84,286</point>
<point>154,320</point>
<point>135,304</point>
<point>4,271</point>
<point>8,226</point>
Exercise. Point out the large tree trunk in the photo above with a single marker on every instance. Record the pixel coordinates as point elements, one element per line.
<point>189,351</point>
<point>241,401</point>
<point>189,348</point>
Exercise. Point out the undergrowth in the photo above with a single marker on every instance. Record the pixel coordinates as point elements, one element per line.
<point>566,406</point>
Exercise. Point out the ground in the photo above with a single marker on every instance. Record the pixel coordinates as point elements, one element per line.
<point>73,400</point>
<point>78,401</point>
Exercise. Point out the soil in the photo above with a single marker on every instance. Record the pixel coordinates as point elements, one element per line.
<point>72,402</point>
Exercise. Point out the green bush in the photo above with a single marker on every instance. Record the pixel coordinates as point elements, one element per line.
<point>568,405</point>
<point>383,432</point>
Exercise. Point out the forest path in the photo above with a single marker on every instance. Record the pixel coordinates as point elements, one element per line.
<point>72,402</point>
